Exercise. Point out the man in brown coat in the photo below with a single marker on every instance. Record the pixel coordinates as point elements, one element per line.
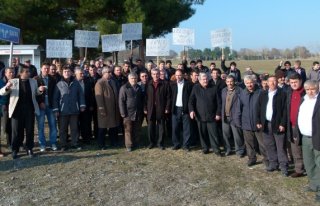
<point>108,107</point>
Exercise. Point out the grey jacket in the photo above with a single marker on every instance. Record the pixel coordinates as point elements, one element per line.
<point>68,98</point>
<point>131,102</point>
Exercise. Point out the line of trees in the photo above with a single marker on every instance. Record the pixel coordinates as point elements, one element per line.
<point>299,52</point>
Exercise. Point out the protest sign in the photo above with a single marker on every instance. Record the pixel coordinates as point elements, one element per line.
<point>87,39</point>
<point>184,37</point>
<point>157,47</point>
<point>59,48</point>
<point>221,38</point>
<point>131,31</point>
<point>112,42</point>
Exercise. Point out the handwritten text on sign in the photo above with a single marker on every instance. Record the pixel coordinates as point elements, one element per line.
<point>184,37</point>
<point>221,38</point>
<point>89,39</point>
<point>157,47</point>
<point>112,42</point>
<point>131,31</point>
<point>59,48</point>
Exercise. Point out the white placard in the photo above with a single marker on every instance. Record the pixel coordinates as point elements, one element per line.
<point>131,31</point>
<point>221,38</point>
<point>157,47</point>
<point>184,37</point>
<point>88,39</point>
<point>59,48</point>
<point>112,42</point>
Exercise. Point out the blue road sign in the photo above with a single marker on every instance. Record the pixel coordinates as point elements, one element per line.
<point>9,33</point>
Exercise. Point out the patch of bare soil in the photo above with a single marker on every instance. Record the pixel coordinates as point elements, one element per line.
<point>144,177</point>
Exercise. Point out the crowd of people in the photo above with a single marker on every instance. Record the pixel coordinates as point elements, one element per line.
<point>274,115</point>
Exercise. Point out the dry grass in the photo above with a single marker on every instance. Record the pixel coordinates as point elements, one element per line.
<point>143,177</point>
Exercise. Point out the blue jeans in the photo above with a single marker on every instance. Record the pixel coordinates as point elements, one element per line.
<point>52,126</point>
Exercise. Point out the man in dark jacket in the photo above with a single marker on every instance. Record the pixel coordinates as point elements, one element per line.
<point>249,99</point>
<point>131,110</point>
<point>231,118</point>
<point>231,70</point>
<point>157,106</point>
<point>294,98</point>
<point>272,119</point>
<point>205,107</point>
<point>45,104</point>
<point>287,70</point>
<point>308,122</point>
<point>181,90</point>
<point>85,117</point>
<point>68,101</point>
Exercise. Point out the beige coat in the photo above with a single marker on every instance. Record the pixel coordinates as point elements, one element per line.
<point>14,95</point>
<point>107,103</point>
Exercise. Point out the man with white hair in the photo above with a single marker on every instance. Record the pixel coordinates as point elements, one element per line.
<point>205,107</point>
<point>131,110</point>
<point>308,123</point>
<point>108,108</point>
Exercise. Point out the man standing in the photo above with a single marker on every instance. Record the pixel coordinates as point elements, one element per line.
<point>108,108</point>
<point>22,109</point>
<point>45,105</point>
<point>68,101</point>
<point>233,70</point>
<point>249,98</point>
<point>85,117</point>
<point>272,119</point>
<point>205,107</point>
<point>157,106</point>
<point>231,118</point>
<point>294,98</point>
<point>181,90</point>
<point>315,72</point>
<point>131,110</point>
<point>308,122</point>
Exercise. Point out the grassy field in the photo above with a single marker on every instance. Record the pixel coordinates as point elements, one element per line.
<point>144,177</point>
<point>261,66</point>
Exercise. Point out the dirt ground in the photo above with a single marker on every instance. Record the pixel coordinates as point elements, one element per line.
<point>143,177</point>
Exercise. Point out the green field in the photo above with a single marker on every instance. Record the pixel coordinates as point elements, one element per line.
<point>261,66</point>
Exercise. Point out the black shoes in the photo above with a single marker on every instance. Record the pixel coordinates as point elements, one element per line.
<point>271,169</point>
<point>251,163</point>
<point>175,147</point>
<point>14,155</point>
<point>205,151</point>
<point>150,146</point>
<point>218,154</point>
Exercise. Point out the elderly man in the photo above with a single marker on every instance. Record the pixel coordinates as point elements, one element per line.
<point>22,109</point>
<point>272,120</point>
<point>308,122</point>
<point>108,108</point>
<point>131,110</point>
<point>157,106</point>
<point>68,102</point>
<point>249,98</point>
<point>205,107</point>
<point>231,118</point>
